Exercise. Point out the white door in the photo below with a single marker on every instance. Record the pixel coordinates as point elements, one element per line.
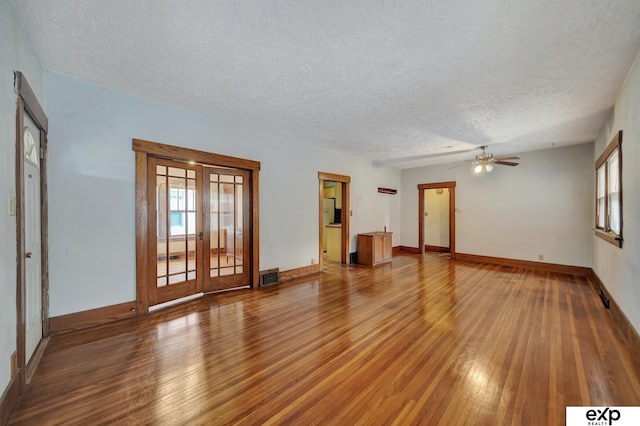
<point>32,237</point>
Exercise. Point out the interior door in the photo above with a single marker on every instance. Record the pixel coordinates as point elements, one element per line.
<point>33,248</point>
<point>226,224</point>
<point>175,213</point>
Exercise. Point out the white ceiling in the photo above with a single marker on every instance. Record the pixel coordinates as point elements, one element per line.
<point>383,80</point>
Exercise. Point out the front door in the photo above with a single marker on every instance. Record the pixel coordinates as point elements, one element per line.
<point>227,220</point>
<point>33,248</point>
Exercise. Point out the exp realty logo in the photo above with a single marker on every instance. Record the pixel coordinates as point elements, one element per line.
<point>603,416</point>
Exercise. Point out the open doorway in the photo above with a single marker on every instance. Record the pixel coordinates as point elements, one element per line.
<point>436,218</point>
<point>334,218</point>
<point>332,221</point>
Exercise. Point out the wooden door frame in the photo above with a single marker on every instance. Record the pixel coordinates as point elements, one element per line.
<point>345,215</point>
<point>143,150</point>
<point>451,186</point>
<point>28,103</point>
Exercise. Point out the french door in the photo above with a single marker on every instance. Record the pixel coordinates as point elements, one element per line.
<point>196,223</point>
<point>224,217</point>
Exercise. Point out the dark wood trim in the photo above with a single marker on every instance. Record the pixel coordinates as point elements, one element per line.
<point>334,177</point>
<point>255,229</point>
<point>20,246</point>
<point>420,219</point>
<point>44,234</point>
<point>396,249</point>
<point>35,359</point>
<point>31,103</point>
<point>9,399</point>
<point>152,247</point>
<point>437,185</point>
<point>407,249</point>
<point>320,222</point>
<point>390,191</point>
<point>437,249</point>
<point>345,213</point>
<point>142,238</point>
<point>619,318</point>
<point>452,221</point>
<point>178,153</point>
<point>303,271</point>
<point>92,317</point>
<point>543,266</point>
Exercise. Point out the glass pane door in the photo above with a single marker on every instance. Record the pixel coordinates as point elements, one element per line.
<point>227,223</point>
<point>175,213</point>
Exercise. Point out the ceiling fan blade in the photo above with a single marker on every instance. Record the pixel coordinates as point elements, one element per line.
<point>506,158</point>
<point>505,163</point>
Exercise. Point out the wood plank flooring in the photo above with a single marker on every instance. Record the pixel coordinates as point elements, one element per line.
<point>420,341</point>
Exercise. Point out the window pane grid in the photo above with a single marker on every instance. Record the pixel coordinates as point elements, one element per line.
<point>176,223</point>
<point>226,217</point>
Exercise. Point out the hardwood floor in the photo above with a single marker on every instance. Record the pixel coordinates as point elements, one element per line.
<point>420,341</point>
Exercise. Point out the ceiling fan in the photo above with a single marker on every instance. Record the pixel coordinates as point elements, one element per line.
<point>484,162</point>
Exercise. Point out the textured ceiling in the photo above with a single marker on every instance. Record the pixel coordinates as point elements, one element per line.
<point>390,81</point>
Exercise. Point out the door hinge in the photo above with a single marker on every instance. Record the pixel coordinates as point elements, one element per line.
<point>201,236</point>
<point>43,152</point>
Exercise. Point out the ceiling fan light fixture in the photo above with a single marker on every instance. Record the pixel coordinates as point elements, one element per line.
<point>488,167</point>
<point>477,169</point>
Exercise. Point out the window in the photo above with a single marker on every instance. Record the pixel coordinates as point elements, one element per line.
<point>609,192</point>
<point>30,147</point>
<point>182,211</point>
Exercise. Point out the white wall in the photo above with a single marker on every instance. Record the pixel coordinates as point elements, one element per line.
<point>16,54</point>
<point>91,188</point>
<point>543,206</point>
<point>619,268</point>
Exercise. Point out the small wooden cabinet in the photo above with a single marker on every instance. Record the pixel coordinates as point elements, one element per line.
<point>374,248</point>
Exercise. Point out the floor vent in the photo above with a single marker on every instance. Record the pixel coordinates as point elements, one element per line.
<point>605,299</point>
<point>269,277</point>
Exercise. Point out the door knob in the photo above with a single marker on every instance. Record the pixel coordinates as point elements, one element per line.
<point>28,255</point>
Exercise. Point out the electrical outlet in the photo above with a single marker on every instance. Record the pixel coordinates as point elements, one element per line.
<point>12,205</point>
<point>313,260</point>
<point>541,257</point>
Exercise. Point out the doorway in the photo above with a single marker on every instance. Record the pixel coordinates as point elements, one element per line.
<point>32,307</point>
<point>436,217</point>
<point>334,217</point>
<point>196,223</point>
